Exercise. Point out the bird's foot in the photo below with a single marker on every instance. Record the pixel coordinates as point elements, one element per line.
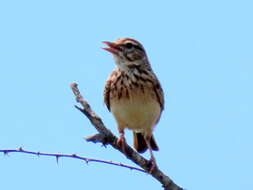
<point>122,142</point>
<point>152,165</point>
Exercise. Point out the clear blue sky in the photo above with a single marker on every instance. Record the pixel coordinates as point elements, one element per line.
<point>202,54</point>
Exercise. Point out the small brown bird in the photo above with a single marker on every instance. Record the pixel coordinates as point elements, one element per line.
<point>134,94</point>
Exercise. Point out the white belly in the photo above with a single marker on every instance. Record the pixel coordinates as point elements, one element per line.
<point>139,113</point>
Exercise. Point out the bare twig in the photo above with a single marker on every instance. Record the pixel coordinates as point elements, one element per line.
<point>105,136</point>
<point>75,156</point>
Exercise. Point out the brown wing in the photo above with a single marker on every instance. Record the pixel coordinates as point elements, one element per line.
<point>159,94</point>
<point>107,90</point>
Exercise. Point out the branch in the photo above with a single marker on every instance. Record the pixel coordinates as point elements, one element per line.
<point>75,156</point>
<point>105,136</point>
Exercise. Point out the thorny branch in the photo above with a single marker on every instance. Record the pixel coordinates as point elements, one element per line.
<point>74,156</point>
<point>105,136</point>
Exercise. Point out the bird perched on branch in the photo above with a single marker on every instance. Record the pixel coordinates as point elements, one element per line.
<point>133,94</point>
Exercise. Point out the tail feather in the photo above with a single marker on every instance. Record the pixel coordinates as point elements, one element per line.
<point>153,144</point>
<point>140,144</point>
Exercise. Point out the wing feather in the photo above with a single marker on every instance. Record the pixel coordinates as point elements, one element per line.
<point>159,94</point>
<point>108,88</point>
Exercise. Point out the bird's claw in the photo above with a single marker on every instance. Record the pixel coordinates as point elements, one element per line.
<point>122,142</point>
<point>152,165</point>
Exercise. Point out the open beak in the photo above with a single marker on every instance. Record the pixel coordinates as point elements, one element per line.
<point>112,47</point>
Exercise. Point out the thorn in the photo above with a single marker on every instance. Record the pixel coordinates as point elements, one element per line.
<point>77,107</point>
<point>87,161</point>
<point>74,155</point>
<point>21,149</point>
<point>6,153</point>
<point>103,145</point>
<point>38,154</point>
<point>57,158</point>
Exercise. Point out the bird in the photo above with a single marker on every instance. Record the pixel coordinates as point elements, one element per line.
<point>134,95</point>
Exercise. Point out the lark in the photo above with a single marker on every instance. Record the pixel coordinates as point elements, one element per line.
<point>134,94</point>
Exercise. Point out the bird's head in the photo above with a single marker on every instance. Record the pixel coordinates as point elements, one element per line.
<point>127,52</point>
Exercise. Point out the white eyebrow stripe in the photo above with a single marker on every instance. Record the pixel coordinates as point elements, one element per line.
<point>132,42</point>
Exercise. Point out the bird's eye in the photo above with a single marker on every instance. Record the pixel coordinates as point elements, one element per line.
<point>129,45</point>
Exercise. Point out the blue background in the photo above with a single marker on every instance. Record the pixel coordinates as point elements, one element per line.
<point>200,50</point>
